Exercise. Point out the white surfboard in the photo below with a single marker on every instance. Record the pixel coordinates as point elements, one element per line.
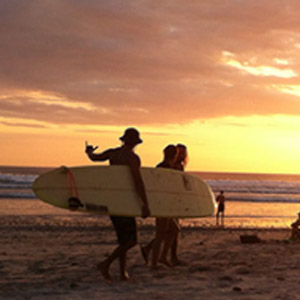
<point>110,190</point>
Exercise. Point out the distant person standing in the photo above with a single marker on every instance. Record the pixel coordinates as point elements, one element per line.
<point>221,208</point>
<point>295,236</point>
<point>125,227</point>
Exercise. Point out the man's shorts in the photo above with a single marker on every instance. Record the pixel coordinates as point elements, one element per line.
<point>125,228</point>
<point>221,207</point>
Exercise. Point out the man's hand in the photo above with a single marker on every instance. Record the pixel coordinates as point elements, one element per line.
<point>89,148</point>
<point>145,211</point>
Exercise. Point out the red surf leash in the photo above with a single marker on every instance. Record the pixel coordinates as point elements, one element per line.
<point>74,200</point>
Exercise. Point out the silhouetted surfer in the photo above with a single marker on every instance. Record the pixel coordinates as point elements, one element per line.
<point>125,227</point>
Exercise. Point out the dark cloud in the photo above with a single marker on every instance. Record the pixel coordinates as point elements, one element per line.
<point>144,62</point>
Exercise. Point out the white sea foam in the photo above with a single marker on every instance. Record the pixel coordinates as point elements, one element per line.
<point>258,190</point>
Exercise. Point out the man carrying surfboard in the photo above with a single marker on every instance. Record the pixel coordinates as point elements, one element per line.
<point>125,227</point>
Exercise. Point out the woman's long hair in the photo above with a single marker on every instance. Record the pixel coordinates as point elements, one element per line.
<point>182,157</point>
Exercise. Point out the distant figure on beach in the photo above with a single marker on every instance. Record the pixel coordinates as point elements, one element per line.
<point>125,227</point>
<point>164,233</point>
<point>295,236</point>
<point>221,208</point>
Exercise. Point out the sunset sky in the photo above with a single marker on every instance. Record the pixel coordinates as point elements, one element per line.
<point>221,77</point>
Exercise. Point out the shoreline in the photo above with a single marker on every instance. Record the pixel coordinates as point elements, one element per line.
<point>237,215</point>
<point>16,222</point>
<point>83,220</point>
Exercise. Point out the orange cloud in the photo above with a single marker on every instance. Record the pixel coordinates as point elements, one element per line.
<point>108,63</point>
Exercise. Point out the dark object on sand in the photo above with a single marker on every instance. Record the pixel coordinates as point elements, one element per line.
<point>250,239</point>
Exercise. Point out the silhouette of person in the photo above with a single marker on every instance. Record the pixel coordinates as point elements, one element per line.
<point>125,227</point>
<point>295,229</point>
<point>221,208</point>
<point>182,157</point>
<point>175,227</point>
<point>164,226</point>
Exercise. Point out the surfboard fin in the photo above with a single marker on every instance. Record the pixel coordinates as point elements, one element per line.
<point>74,203</point>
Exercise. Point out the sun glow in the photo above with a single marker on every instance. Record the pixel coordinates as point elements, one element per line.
<point>229,144</point>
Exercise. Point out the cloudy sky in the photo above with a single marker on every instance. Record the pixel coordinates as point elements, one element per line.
<point>220,76</point>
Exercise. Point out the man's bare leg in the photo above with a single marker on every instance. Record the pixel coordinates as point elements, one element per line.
<point>161,229</point>
<point>146,250</point>
<point>120,251</point>
<point>124,276</point>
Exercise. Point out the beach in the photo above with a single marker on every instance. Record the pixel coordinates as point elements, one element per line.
<point>51,253</point>
<point>54,256</point>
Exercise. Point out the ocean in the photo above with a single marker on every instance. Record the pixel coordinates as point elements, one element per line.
<point>253,200</point>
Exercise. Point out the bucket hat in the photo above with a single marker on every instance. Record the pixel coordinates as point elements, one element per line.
<point>131,135</point>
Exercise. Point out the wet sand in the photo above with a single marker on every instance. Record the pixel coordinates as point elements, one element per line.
<point>54,256</point>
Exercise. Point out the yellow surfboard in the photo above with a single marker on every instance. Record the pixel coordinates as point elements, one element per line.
<point>110,190</point>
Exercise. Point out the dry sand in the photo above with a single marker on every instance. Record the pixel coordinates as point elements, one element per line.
<point>55,257</point>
